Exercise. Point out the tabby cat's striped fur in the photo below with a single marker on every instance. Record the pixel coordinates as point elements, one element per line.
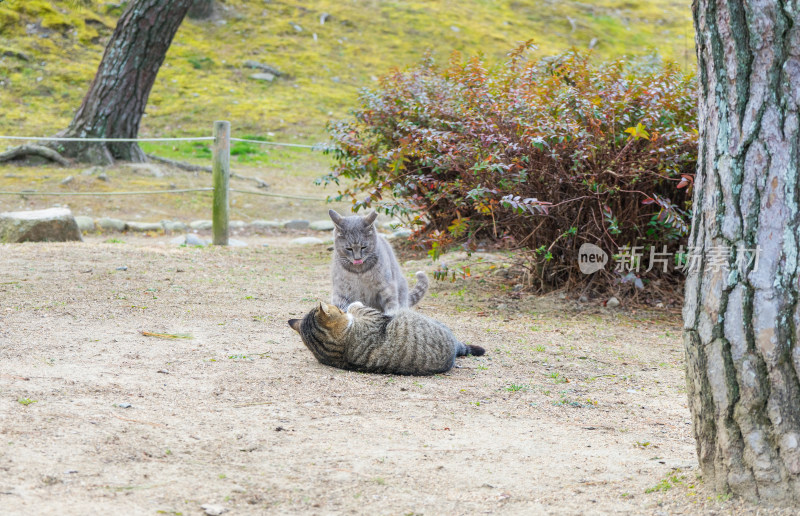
<point>363,339</point>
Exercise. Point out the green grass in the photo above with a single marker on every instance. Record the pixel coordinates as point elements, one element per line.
<point>26,401</point>
<point>203,78</point>
<point>667,483</point>
<point>557,377</point>
<point>515,387</point>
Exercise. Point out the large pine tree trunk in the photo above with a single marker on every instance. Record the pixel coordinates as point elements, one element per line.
<point>117,97</point>
<point>742,318</point>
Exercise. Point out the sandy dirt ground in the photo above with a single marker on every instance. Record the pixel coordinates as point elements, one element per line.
<point>573,410</point>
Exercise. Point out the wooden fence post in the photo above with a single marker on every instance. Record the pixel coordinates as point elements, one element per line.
<point>221,170</point>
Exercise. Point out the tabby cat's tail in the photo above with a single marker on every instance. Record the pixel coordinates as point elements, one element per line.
<point>419,290</point>
<point>466,349</point>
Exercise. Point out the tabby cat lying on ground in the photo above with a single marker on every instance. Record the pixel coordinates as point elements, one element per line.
<point>363,339</point>
<point>366,270</point>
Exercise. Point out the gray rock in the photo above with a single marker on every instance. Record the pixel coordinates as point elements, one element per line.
<point>296,26</point>
<point>306,241</point>
<point>263,76</point>
<point>67,180</point>
<point>181,240</point>
<point>322,225</point>
<point>264,67</point>
<point>103,177</point>
<point>84,223</point>
<point>296,224</point>
<point>109,224</point>
<point>173,226</point>
<point>51,225</point>
<point>147,169</point>
<point>201,224</point>
<point>192,239</point>
<point>232,242</point>
<point>265,224</point>
<point>612,302</point>
<point>402,233</point>
<point>212,509</point>
<point>143,227</point>
<point>237,224</point>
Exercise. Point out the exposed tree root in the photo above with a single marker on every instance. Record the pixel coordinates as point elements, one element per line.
<point>200,168</point>
<point>180,164</point>
<point>258,181</point>
<point>34,150</point>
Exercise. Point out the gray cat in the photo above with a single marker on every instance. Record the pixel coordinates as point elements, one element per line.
<point>366,270</point>
<point>363,339</point>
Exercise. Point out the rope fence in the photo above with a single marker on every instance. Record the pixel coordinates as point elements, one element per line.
<point>280,144</point>
<point>27,193</point>
<point>221,173</point>
<point>132,140</point>
<point>129,140</point>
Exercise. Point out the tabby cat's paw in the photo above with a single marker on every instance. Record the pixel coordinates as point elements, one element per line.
<point>357,304</point>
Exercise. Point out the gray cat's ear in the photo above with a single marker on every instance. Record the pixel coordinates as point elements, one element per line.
<point>335,217</point>
<point>295,324</point>
<point>369,219</point>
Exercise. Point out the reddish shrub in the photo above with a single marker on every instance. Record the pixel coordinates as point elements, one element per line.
<point>544,155</point>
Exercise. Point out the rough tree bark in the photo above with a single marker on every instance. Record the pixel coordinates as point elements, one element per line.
<point>741,316</point>
<point>115,102</point>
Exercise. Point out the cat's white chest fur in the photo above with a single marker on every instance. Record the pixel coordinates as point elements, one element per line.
<point>361,285</point>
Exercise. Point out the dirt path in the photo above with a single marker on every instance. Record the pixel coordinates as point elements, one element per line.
<point>568,413</point>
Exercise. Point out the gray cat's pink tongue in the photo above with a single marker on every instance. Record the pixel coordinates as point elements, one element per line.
<point>358,262</point>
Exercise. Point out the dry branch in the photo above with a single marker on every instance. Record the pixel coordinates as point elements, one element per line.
<point>189,167</point>
<point>180,164</point>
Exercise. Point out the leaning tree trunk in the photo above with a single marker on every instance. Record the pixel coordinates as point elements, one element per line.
<point>741,312</point>
<point>116,99</point>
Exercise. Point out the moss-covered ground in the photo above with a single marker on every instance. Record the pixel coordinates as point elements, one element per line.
<point>49,51</point>
<point>329,50</point>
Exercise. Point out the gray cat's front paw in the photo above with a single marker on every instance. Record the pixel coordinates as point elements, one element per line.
<point>357,304</point>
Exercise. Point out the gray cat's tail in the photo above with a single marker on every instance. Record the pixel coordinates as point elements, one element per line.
<point>466,350</point>
<point>419,290</point>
